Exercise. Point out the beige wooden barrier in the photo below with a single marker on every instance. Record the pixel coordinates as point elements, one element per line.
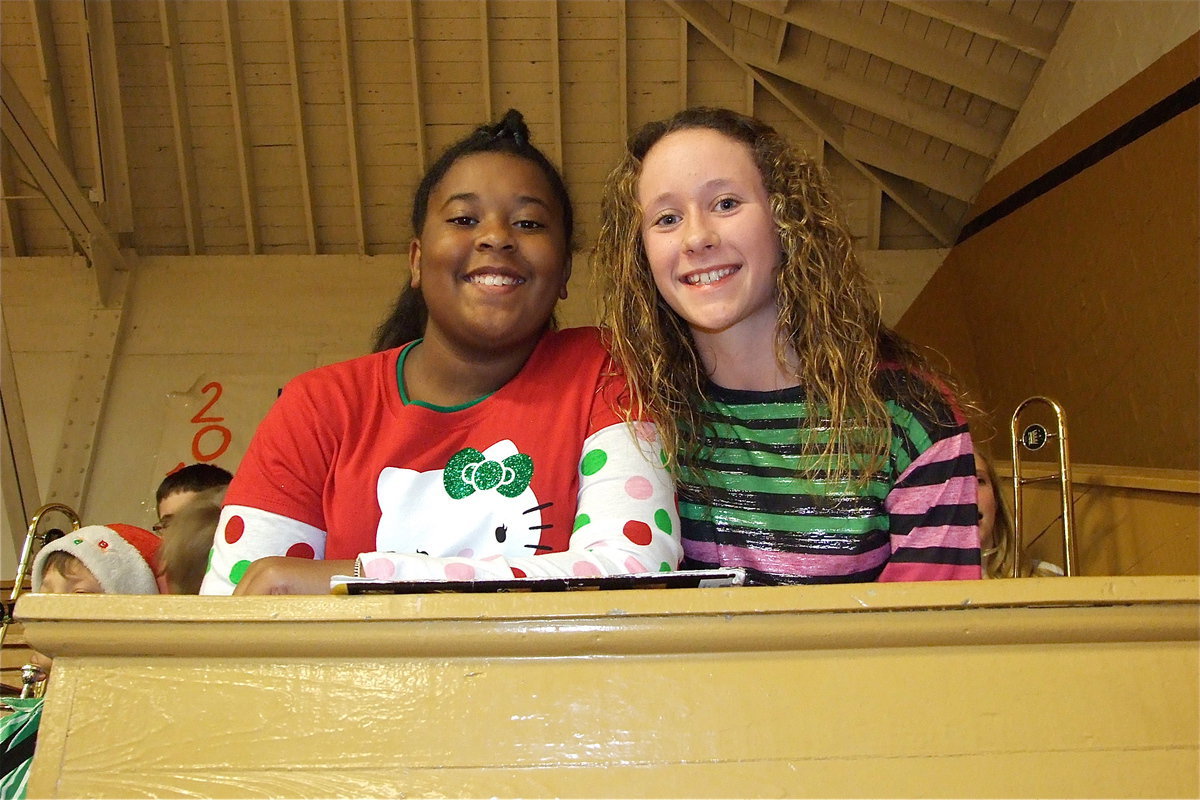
<point>1054,687</point>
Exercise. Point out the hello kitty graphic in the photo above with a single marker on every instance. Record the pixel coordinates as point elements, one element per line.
<point>479,505</point>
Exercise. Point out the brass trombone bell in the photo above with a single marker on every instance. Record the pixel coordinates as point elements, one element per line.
<point>32,537</point>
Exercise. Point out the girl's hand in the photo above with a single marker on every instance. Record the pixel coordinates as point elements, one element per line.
<point>283,575</point>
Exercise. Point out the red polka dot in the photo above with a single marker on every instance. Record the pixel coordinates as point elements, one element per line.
<point>234,529</point>
<point>637,532</point>
<point>301,550</point>
<point>518,573</point>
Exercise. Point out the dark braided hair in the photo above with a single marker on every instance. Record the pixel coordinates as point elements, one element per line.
<point>406,321</point>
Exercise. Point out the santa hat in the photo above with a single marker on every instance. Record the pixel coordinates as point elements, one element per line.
<point>122,557</point>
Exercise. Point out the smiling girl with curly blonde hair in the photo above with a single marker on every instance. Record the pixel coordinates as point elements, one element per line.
<point>810,442</point>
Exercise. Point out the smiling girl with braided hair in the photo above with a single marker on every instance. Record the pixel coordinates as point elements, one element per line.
<point>491,447</point>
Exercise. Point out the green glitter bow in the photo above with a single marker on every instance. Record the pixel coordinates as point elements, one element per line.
<point>468,471</point>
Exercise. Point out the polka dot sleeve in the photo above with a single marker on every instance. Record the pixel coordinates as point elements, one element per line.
<point>247,534</point>
<point>626,521</point>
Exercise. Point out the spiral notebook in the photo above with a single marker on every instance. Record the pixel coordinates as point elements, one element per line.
<point>684,579</point>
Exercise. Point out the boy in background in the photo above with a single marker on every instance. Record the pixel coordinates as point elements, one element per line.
<point>182,485</point>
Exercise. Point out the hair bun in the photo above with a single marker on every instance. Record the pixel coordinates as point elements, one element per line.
<point>511,126</point>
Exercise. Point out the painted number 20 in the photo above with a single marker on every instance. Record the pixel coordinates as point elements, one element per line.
<point>209,424</point>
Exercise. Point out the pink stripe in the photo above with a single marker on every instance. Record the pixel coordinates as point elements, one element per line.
<point>896,572</point>
<point>780,563</point>
<point>919,499</point>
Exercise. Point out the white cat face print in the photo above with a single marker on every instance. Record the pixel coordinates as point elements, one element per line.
<point>479,505</point>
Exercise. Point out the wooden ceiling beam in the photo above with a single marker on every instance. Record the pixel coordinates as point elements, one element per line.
<point>893,46</point>
<point>485,58</point>
<point>916,204</point>
<point>350,99</point>
<point>32,145</point>
<point>293,56</point>
<point>10,210</point>
<point>863,150</point>
<point>47,58</point>
<point>710,24</point>
<point>185,160</point>
<point>241,124</point>
<point>414,71</point>
<point>683,60</point>
<point>555,81</point>
<point>622,70</point>
<point>110,118</point>
<point>980,19</point>
<point>878,99</point>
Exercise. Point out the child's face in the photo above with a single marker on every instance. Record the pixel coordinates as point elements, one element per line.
<point>709,235</point>
<point>74,578</point>
<point>170,505</point>
<point>986,500</point>
<point>492,259</point>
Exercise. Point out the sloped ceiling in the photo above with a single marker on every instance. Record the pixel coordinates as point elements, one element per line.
<point>188,127</point>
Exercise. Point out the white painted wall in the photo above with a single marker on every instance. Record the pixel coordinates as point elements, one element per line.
<point>1103,44</point>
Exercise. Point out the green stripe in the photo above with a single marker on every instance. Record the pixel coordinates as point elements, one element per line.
<point>786,523</point>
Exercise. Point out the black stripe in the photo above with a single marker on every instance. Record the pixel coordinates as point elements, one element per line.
<point>18,754</point>
<point>792,504</point>
<point>957,556</point>
<point>812,543</point>
<point>964,515</point>
<point>936,473</point>
<point>1158,114</point>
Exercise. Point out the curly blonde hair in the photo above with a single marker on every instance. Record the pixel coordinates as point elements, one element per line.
<point>828,315</point>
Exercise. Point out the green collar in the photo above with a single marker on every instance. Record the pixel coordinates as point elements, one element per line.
<point>404,398</point>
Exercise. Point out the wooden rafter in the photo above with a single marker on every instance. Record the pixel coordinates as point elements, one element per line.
<point>97,189</point>
<point>33,147</point>
<point>623,69</point>
<point>241,123</point>
<point>414,69</point>
<point>916,205</point>
<point>901,49</point>
<point>10,210</point>
<point>683,61</point>
<point>985,21</point>
<point>871,96</point>
<point>47,57</point>
<point>306,195</point>
<point>20,486</point>
<point>555,80</point>
<point>713,27</point>
<point>350,99</point>
<point>485,58</point>
<point>185,160</point>
<point>110,119</point>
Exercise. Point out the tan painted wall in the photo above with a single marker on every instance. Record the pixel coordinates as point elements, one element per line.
<point>1028,688</point>
<point>1089,293</point>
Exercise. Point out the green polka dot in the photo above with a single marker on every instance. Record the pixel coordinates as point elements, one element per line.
<point>662,457</point>
<point>593,462</point>
<point>664,567</point>
<point>208,566</point>
<point>663,520</point>
<point>239,569</point>
<point>580,521</point>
